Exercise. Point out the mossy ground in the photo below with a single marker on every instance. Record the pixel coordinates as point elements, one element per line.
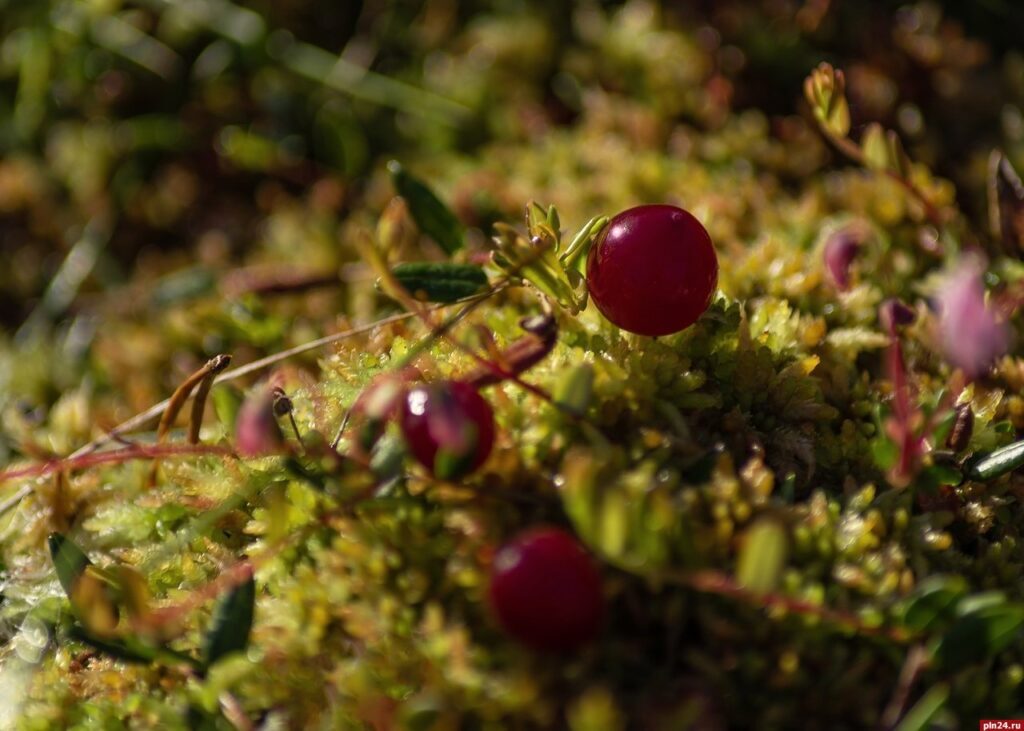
<point>372,614</point>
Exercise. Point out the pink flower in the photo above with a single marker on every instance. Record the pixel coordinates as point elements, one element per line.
<point>257,432</point>
<point>970,334</point>
<point>893,314</point>
<point>840,251</point>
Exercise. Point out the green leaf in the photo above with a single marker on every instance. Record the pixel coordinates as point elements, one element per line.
<point>998,463</point>
<point>920,716</point>
<point>227,400</point>
<point>935,476</point>
<point>232,621</point>
<point>943,427</point>
<point>132,649</point>
<point>980,635</point>
<point>763,556</point>
<point>432,216</point>
<point>440,281</point>
<point>388,458</point>
<point>875,148</point>
<point>884,452</point>
<point>978,602</point>
<point>897,155</point>
<point>575,388</point>
<point>68,559</point>
<point>933,601</point>
<point>580,245</point>
<point>838,119</point>
<point>120,650</point>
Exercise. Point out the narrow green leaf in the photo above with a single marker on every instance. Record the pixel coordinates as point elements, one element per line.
<point>920,716</point>
<point>580,244</point>
<point>133,649</point>
<point>433,217</point>
<point>440,281</point>
<point>980,635</point>
<point>232,621</point>
<point>763,556</point>
<point>933,601</point>
<point>897,154</point>
<point>980,601</point>
<point>68,559</point>
<point>998,463</point>
<point>116,649</point>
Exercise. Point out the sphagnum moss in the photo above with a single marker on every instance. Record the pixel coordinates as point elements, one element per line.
<point>798,401</point>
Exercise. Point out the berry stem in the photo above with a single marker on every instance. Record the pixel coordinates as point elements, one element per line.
<point>854,152</point>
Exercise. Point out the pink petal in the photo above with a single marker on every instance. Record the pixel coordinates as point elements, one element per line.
<point>894,313</point>
<point>840,251</point>
<point>971,336</point>
<point>257,432</point>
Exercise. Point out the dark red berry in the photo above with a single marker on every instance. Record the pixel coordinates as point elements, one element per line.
<point>546,591</point>
<point>653,270</point>
<point>448,427</point>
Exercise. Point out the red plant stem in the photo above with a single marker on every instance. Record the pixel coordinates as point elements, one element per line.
<point>714,582</point>
<point>236,574</point>
<point>265,282</point>
<point>906,440</point>
<point>854,152</point>
<point>116,456</point>
<point>915,661</point>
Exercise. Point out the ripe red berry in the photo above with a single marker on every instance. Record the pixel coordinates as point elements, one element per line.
<point>653,270</point>
<point>546,591</point>
<point>448,427</point>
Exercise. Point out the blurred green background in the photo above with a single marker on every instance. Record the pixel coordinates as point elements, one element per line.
<point>167,124</point>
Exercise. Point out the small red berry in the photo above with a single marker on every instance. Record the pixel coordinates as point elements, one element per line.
<point>448,427</point>
<point>546,591</point>
<point>653,270</point>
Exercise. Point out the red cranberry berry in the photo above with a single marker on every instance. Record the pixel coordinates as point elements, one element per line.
<point>448,427</point>
<point>546,591</point>
<point>653,270</point>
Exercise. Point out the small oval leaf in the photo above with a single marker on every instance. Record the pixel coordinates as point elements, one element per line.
<point>763,556</point>
<point>440,281</point>
<point>68,559</point>
<point>432,216</point>
<point>980,635</point>
<point>933,601</point>
<point>876,151</point>
<point>998,463</point>
<point>133,649</point>
<point>232,621</point>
